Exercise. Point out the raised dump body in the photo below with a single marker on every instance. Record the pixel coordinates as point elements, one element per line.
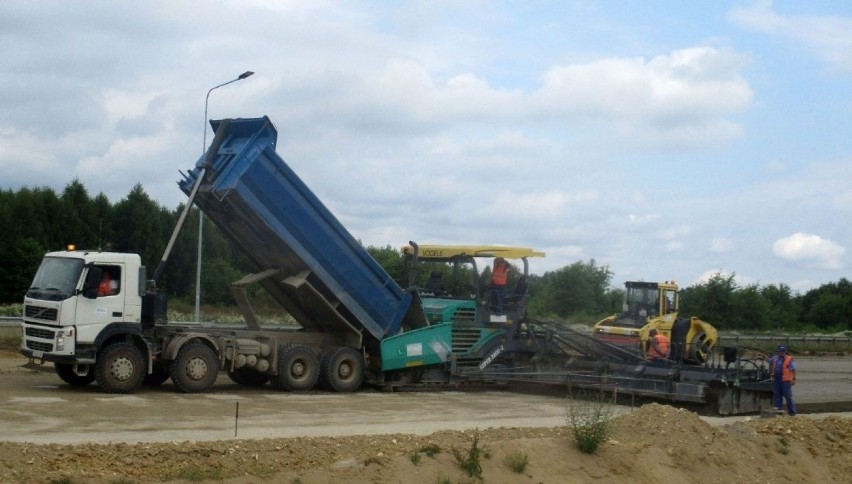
<point>319,273</point>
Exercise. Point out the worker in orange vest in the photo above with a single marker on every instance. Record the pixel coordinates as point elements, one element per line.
<point>658,346</point>
<point>783,376</point>
<point>108,286</point>
<point>499,278</point>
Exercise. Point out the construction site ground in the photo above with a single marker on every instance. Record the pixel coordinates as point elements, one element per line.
<point>52,432</point>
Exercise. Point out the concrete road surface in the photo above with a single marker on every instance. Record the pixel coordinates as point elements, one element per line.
<point>35,406</point>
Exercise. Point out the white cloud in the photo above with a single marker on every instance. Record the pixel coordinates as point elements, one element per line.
<point>705,277</point>
<point>809,250</point>
<point>689,90</point>
<point>643,219</point>
<point>674,246</point>
<point>675,232</point>
<point>721,244</point>
<point>829,37</point>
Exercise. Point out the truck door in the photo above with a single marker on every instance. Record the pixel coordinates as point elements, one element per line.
<point>102,304</point>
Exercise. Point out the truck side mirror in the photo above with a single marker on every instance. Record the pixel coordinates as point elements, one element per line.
<point>93,278</point>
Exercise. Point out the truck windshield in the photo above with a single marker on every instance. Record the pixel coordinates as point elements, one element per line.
<point>56,279</point>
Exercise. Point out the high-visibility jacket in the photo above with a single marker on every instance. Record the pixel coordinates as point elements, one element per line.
<point>786,372</point>
<point>499,275</point>
<point>661,349</point>
<point>105,286</point>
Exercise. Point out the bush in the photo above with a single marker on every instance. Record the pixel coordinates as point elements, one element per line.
<point>518,462</point>
<point>589,419</point>
<point>470,463</point>
<point>430,450</point>
<point>11,310</point>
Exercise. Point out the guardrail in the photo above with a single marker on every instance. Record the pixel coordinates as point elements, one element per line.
<point>10,328</point>
<point>794,342</point>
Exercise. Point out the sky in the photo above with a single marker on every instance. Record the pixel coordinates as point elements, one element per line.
<point>666,140</point>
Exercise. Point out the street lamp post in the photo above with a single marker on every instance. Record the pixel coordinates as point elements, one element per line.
<point>201,215</point>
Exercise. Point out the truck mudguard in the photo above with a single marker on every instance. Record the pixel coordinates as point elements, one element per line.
<point>326,280</point>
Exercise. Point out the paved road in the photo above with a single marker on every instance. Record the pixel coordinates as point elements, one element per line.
<point>823,379</point>
<point>37,407</point>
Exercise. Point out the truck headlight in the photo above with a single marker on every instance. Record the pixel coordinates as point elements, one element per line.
<point>60,339</point>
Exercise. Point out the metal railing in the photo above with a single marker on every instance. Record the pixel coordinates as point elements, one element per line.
<point>794,342</point>
<point>10,321</point>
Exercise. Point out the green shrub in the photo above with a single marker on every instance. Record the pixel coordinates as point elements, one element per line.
<point>518,462</point>
<point>470,461</point>
<point>589,420</point>
<point>431,450</point>
<point>11,310</point>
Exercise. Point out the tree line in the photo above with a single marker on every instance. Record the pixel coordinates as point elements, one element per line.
<point>38,220</point>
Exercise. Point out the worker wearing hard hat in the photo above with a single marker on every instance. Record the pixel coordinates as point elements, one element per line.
<point>783,376</point>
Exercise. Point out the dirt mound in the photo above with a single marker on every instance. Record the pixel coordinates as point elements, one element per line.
<point>653,444</point>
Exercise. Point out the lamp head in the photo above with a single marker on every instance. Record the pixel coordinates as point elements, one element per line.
<point>245,74</point>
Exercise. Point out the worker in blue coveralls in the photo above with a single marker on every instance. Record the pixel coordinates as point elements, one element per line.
<point>783,377</point>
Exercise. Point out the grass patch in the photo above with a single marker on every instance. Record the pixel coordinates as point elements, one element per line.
<point>443,479</point>
<point>431,450</point>
<point>518,462</point>
<point>783,446</point>
<point>198,475</point>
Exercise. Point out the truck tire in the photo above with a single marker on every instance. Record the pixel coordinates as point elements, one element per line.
<point>342,370</point>
<point>298,368</point>
<point>68,375</point>
<point>195,369</point>
<point>248,377</point>
<point>120,367</point>
<point>159,374</point>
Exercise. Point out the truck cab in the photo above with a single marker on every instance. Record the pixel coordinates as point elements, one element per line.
<point>74,300</point>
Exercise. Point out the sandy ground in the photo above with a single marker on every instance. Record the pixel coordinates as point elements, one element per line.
<point>388,438</point>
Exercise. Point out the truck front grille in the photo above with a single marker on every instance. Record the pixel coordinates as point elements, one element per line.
<point>39,346</point>
<point>40,333</point>
<point>37,312</point>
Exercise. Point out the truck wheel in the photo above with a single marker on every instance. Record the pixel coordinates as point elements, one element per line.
<point>343,370</point>
<point>248,377</point>
<point>298,368</point>
<point>158,376</point>
<point>68,375</point>
<point>195,369</point>
<point>120,368</point>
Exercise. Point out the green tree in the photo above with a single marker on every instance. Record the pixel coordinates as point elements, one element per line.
<point>139,227</point>
<point>29,230</point>
<point>78,219</point>
<point>749,310</point>
<point>218,274</point>
<point>392,261</point>
<point>712,301</point>
<point>828,306</point>
<point>783,308</point>
<point>577,290</point>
